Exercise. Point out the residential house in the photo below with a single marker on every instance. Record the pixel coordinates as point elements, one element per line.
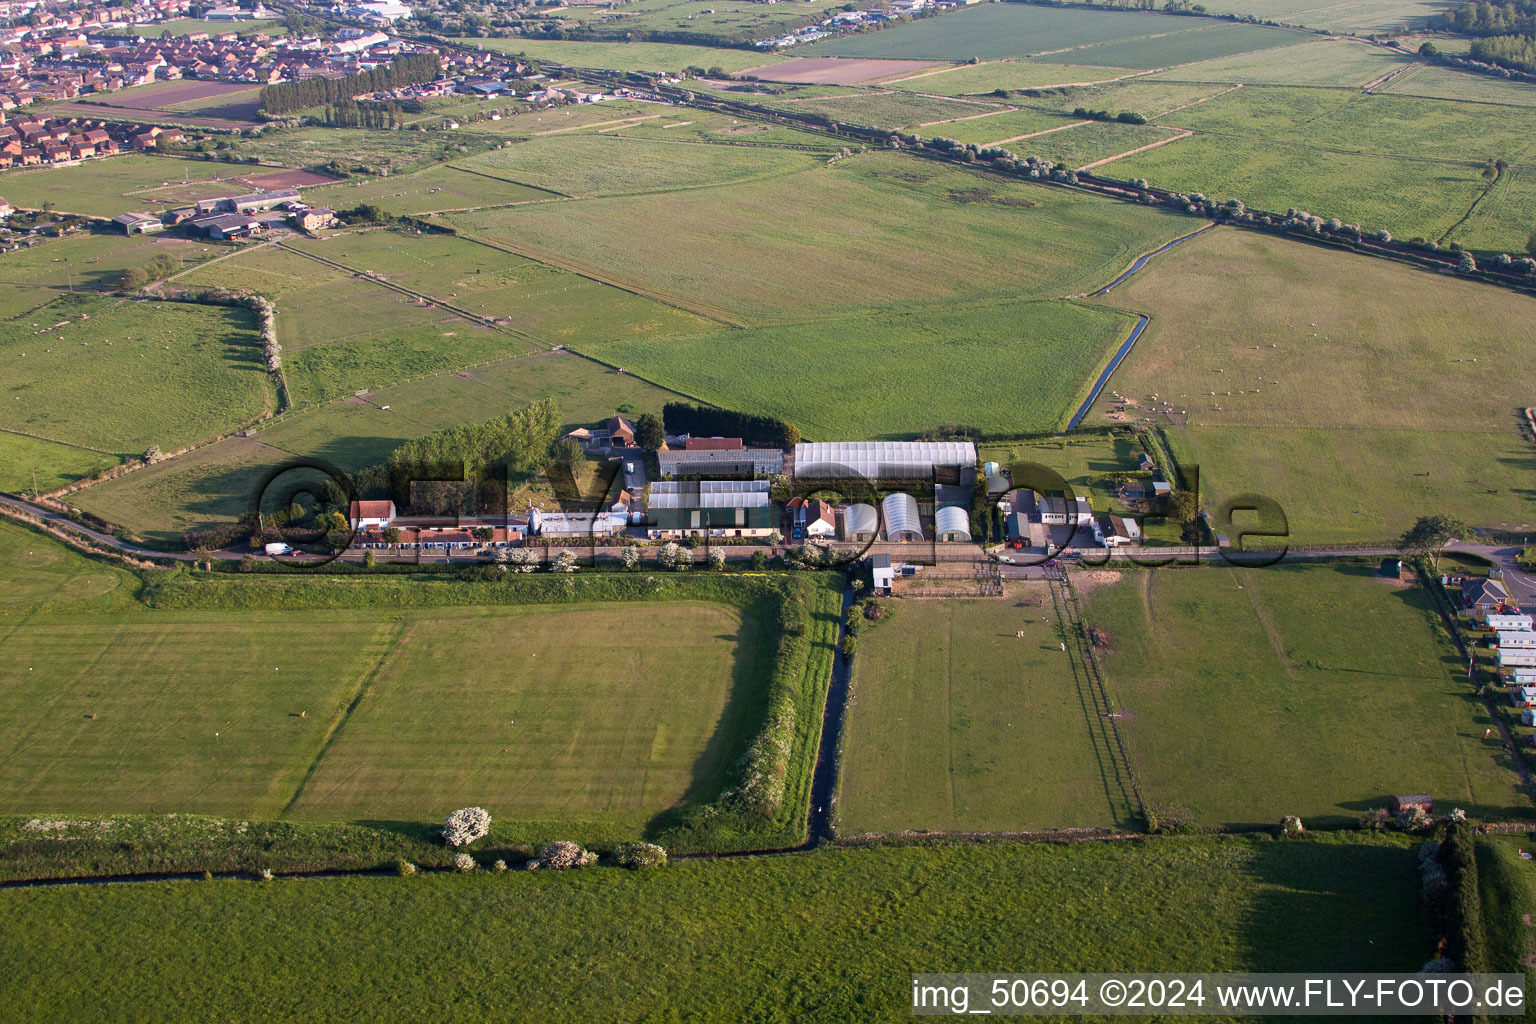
<point>1484,594</point>
<point>314,218</point>
<point>370,515</point>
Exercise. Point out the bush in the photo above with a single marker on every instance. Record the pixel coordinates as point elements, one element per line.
<point>759,560</point>
<point>1290,826</point>
<point>1413,819</point>
<point>1376,820</point>
<point>265,875</point>
<point>639,856</point>
<point>717,559</point>
<point>562,855</point>
<point>466,825</point>
<point>463,863</point>
<point>404,868</point>
<point>630,557</point>
<point>499,865</point>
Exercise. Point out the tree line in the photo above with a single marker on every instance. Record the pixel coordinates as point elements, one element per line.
<point>291,97</point>
<point>1492,18</point>
<point>1518,52</point>
<point>352,114</point>
<point>754,430</point>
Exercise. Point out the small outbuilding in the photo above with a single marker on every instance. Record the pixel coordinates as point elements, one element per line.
<point>952,524</point>
<point>880,569</point>
<point>902,521</point>
<point>1414,800</point>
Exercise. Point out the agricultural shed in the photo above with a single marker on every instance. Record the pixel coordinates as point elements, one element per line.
<point>860,522</point>
<point>952,523</point>
<point>902,521</point>
<point>880,460</point>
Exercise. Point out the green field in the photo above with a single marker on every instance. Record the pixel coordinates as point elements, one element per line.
<point>1249,694</point>
<point>1090,143</point>
<point>1508,899</point>
<point>893,375</point>
<point>439,187</point>
<point>882,229</point>
<point>706,126</point>
<point>977,79</point>
<point>121,184</point>
<point>122,376</point>
<point>726,21</point>
<point>1332,62</point>
<point>1443,83</point>
<point>628,56</point>
<point>1362,16</point>
<point>834,936</point>
<point>994,128</point>
<point>372,151</point>
<point>40,273</point>
<point>589,165</point>
<point>28,462</point>
<point>958,724</point>
<point>1506,212</point>
<point>889,110</point>
<point>188,26</point>
<point>1104,38</point>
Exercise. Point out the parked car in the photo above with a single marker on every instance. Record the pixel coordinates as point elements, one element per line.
<point>1004,559</point>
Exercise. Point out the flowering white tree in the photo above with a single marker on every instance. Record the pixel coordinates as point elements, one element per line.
<point>630,557</point>
<point>565,561</point>
<point>717,558</point>
<point>466,825</point>
<point>562,855</point>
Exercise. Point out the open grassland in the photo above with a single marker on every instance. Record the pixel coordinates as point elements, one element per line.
<point>1137,95</point>
<point>959,724</point>
<point>874,228</point>
<point>978,79</point>
<point>1445,84</point>
<point>731,21</point>
<point>831,929</point>
<point>520,121</point>
<point>890,110</point>
<point>990,31</point>
<point>1362,16</point>
<point>440,187</point>
<point>1090,143</point>
<point>118,184</point>
<point>1206,42</point>
<point>1508,889</point>
<point>994,128</point>
<point>1332,62</point>
<point>188,26</point>
<point>583,723</point>
<point>122,376</point>
<point>1249,694</point>
<point>1505,214</point>
<point>342,333</point>
<point>28,462</point>
<point>1310,338</point>
<point>530,297</point>
<point>638,56</point>
<point>588,165</point>
<point>39,572</point>
<point>707,126</point>
<point>1362,484</point>
<point>893,375</point>
<point>396,152</point>
<point>1411,198</point>
<point>40,273</point>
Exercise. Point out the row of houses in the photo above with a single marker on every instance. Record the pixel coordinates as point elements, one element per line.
<point>30,142</point>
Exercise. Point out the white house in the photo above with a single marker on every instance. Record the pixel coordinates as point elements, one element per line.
<point>880,568</point>
<point>1515,640</point>
<point>371,515</point>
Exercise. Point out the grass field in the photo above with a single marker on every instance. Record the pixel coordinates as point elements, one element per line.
<point>957,724</point>
<point>1317,691</point>
<point>28,462</point>
<point>439,187</point>
<point>188,26</point>
<point>1443,83</point>
<point>40,273</point>
<point>831,931</point>
<point>706,126</point>
<point>1362,16</point>
<point>588,165</point>
<point>1207,42</point>
<point>174,372</point>
<point>1090,143</point>
<point>1508,898</point>
<point>978,79</point>
<point>1506,213</point>
<point>40,572</point>
<point>637,56</point>
<point>118,184</point>
<point>875,228</point>
<point>890,110</point>
<point>731,21</point>
<point>994,128</point>
<point>991,31</point>
<point>391,151</point>
<point>1331,62</point>
<point>893,375</point>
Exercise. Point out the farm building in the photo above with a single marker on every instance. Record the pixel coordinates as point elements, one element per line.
<point>575,524</point>
<point>371,515</point>
<point>621,433</point>
<point>261,200</point>
<point>716,508</point>
<point>902,520</point>
<point>226,225</point>
<point>138,223</point>
<point>719,462</point>
<point>861,523</point>
<point>1056,510</point>
<point>1508,621</point>
<point>882,573</point>
<point>883,460</point>
<point>952,524</point>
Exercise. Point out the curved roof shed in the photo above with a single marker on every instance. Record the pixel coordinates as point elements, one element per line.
<point>952,523</point>
<point>860,522</point>
<point>902,522</point>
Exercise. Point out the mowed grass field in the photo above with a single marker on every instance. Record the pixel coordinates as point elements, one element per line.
<point>831,929</point>
<point>83,262</point>
<point>586,721</point>
<point>959,724</point>
<point>1249,694</point>
<point>28,462</point>
<point>121,376</point>
<point>893,375</point>
<point>439,187</point>
<point>1326,62</point>
<point>991,31</point>
<point>593,165</point>
<point>120,184</point>
<point>639,56</point>
<point>982,78</point>
<point>876,230</point>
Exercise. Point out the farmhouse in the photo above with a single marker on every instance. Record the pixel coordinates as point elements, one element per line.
<point>138,223</point>
<point>315,218</point>
<point>1116,531</point>
<point>371,515</point>
<point>810,519</point>
<point>710,508</point>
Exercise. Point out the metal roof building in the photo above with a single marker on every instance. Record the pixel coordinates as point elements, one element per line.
<point>902,521</point>
<point>720,462</point>
<point>860,522</point>
<point>709,494</point>
<point>952,523</point>
<point>874,460</point>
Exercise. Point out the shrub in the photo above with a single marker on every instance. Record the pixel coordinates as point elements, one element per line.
<point>630,557</point>
<point>499,865</point>
<point>562,855</point>
<point>1412,819</point>
<point>1376,820</point>
<point>717,558</point>
<point>265,874</point>
<point>463,863</point>
<point>404,868</point>
<point>1290,826</point>
<point>466,825</point>
<point>759,560</point>
<point>565,561</point>
<point>639,856</point>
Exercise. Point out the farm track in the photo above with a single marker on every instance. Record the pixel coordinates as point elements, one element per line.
<point>1181,134</point>
<point>1498,177</point>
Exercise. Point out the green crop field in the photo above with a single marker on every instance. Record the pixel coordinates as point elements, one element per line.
<point>1249,694</point>
<point>122,376</point>
<point>582,724</point>
<point>893,375</point>
<point>440,187</point>
<point>628,56</point>
<point>1119,39</point>
<point>978,79</point>
<point>588,165</point>
<point>1362,16</point>
<point>835,933</point>
<point>710,21</point>
<point>1334,62</point>
<point>884,229</point>
<point>890,110</point>
<point>119,184</point>
<point>957,723</point>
